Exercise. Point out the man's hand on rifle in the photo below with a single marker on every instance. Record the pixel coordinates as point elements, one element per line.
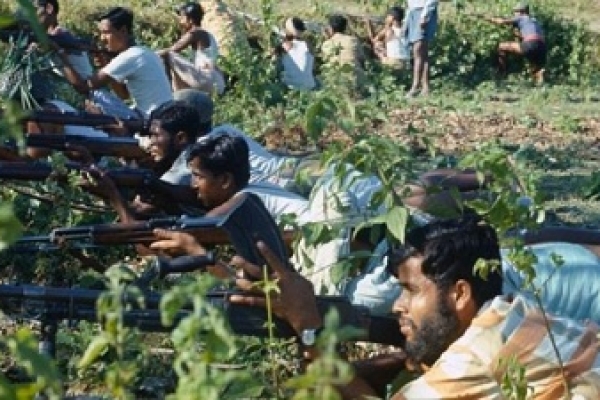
<point>79,153</point>
<point>296,302</point>
<point>98,183</point>
<point>177,243</point>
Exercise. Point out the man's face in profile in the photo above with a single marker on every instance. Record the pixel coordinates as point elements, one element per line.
<point>115,40</point>
<point>427,320</point>
<point>162,145</point>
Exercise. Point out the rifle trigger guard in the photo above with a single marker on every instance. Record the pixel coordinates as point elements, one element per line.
<point>33,304</point>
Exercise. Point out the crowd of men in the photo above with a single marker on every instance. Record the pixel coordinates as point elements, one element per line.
<point>458,326</point>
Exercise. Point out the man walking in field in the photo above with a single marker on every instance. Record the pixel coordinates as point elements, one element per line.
<point>531,43</point>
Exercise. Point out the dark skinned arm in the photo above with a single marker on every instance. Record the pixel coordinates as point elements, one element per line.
<point>499,21</point>
<point>96,81</point>
<point>296,303</point>
<point>373,375</point>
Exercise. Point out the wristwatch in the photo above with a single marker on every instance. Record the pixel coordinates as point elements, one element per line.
<point>308,337</point>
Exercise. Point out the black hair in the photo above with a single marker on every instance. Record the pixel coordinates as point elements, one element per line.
<point>44,3</point>
<point>397,13</point>
<point>338,23</point>
<point>224,153</point>
<point>193,11</point>
<point>176,116</point>
<point>450,248</point>
<point>119,17</point>
<point>298,24</point>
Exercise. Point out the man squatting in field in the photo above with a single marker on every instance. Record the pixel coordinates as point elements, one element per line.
<point>532,44</point>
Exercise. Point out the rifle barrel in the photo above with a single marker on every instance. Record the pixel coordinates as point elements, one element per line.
<point>79,304</point>
<point>100,146</point>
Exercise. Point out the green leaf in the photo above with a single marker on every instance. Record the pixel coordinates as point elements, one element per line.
<point>396,220</point>
<point>10,226</point>
<point>95,349</point>
<point>6,20</point>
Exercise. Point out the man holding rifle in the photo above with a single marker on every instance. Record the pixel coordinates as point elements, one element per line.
<point>532,44</point>
<point>461,334</point>
<point>173,128</point>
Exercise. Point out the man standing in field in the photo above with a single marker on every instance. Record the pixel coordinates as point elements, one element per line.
<point>421,24</point>
<point>532,44</point>
<point>136,72</point>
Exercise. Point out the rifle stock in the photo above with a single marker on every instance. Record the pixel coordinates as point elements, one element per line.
<point>125,147</point>
<point>142,181</point>
<point>80,304</point>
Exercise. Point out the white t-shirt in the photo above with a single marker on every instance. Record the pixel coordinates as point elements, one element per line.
<point>142,71</point>
<point>298,66</point>
<point>264,165</point>
<point>279,201</point>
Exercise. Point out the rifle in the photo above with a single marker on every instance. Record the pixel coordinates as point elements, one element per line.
<point>142,181</point>
<point>20,31</point>
<point>241,221</point>
<point>98,146</point>
<point>40,171</point>
<point>83,118</point>
<point>51,305</point>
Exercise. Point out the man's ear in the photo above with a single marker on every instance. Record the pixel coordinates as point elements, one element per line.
<point>181,138</point>
<point>227,181</point>
<point>462,296</point>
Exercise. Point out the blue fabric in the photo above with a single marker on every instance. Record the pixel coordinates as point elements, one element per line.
<point>375,289</point>
<point>414,31</point>
<point>528,26</point>
<point>572,290</point>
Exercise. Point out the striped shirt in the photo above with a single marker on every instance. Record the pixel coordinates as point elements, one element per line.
<point>474,366</point>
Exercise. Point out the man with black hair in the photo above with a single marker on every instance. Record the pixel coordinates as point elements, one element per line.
<point>135,71</point>
<point>341,49</point>
<point>461,334</point>
<point>47,13</point>
<point>220,168</point>
<point>389,44</point>
<point>531,43</point>
<point>202,72</point>
<point>264,165</point>
<point>173,128</point>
